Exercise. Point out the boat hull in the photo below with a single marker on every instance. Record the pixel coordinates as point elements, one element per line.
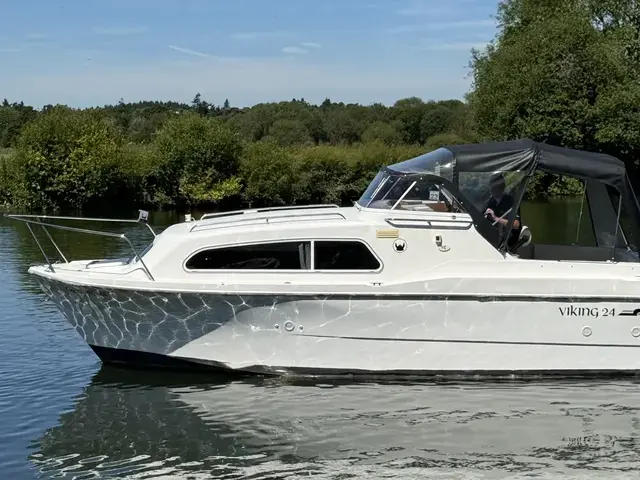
<point>355,334</point>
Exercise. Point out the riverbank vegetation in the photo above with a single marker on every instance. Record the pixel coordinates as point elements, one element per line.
<point>180,156</point>
<point>563,72</point>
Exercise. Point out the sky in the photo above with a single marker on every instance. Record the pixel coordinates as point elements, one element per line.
<point>94,52</point>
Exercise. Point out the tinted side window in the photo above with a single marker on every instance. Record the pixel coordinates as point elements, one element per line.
<point>268,256</point>
<point>343,255</point>
<point>559,220</point>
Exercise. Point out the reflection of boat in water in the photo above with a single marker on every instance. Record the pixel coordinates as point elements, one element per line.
<point>120,426</point>
<point>163,427</point>
<point>413,279</point>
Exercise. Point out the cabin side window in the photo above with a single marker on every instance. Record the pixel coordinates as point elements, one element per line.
<point>343,255</point>
<point>266,256</point>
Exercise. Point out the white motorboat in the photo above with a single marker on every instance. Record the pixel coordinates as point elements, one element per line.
<point>418,277</point>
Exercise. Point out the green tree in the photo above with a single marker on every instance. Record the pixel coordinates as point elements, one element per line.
<point>410,112</point>
<point>198,160</point>
<point>321,175</point>
<point>199,105</point>
<point>10,126</point>
<point>10,178</point>
<point>68,158</point>
<point>340,127</point>
<point>444,139</point>
<point>289,132</point>
<point>436,121</point>
<point>562,72</point>
<point>254,123</point>
<point>13,117</point>
<point>383,132</point>
<point>268,174</point>
<point>143,129</point>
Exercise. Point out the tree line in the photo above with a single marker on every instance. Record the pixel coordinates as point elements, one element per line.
<point>564,72</point>
<point>167,154</point>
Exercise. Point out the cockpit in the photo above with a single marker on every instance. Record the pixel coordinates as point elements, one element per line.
<point>457,179</point>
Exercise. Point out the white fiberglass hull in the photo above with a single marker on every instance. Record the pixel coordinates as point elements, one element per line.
<point>368,334</point>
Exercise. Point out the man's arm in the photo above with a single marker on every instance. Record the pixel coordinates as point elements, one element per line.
<point>503,221</point>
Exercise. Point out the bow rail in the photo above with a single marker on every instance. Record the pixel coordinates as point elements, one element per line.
<point>29,220</point>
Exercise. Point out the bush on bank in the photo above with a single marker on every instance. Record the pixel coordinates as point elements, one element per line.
<point>65,158</point>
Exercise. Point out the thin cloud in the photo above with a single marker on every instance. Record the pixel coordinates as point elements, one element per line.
<point>295,50</point>
<point>468,23</point>
<point>260,35</point>
<point>188,51</point>
<point>311,44</point>
<point>10,50</point>
<point>405,29</point>
<point>455,46</point>
<point>428,8</point>
<point>479,23</point>
<point>416,10</point>
<point>119,31</point>
<point>36,36</point>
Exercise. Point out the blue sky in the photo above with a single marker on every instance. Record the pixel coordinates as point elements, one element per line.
<point>93,52</point>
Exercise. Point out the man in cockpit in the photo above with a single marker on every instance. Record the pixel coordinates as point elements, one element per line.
<point>499,207</point>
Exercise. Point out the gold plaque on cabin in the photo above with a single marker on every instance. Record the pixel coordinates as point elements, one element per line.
<point>389,233</point>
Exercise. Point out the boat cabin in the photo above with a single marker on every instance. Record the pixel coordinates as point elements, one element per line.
<point>492,182</point>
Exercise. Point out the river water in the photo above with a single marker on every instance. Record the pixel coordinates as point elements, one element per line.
<point>63,415</point>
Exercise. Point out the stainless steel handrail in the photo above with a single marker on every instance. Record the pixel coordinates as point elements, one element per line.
<point>37,220</point>
<point>142,218</point>
<point>267,209</point>
<point>266,219</point>
<point>416,222</point>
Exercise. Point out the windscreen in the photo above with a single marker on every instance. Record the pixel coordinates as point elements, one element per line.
<point>391,191</point>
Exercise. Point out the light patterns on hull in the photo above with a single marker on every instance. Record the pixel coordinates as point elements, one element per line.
<point>138,320</point>
<point>163,322</point>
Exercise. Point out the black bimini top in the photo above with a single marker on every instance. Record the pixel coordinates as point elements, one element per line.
<point>521,155</point>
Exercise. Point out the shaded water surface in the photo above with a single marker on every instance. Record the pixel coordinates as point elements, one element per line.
<point>62,415</point>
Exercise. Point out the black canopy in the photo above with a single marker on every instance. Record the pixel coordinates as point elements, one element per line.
<point>525,155</point>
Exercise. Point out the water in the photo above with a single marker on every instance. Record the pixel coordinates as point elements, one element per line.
<point>62,415</point>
